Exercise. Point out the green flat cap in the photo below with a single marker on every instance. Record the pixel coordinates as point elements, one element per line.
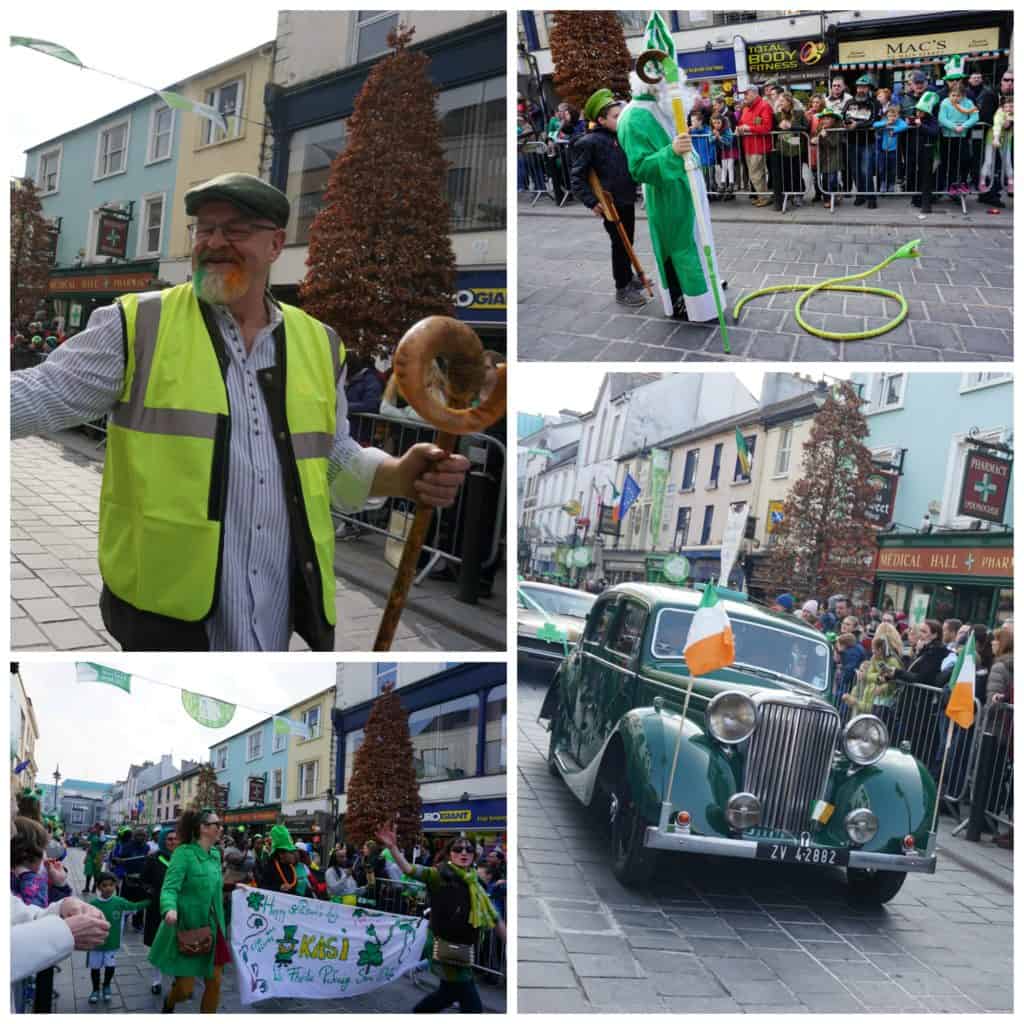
<point>246,191</point>
<point>597,103</point>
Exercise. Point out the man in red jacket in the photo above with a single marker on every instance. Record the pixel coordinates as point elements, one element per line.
<point>754,128</point>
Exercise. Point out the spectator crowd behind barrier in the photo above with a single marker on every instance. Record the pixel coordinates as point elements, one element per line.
<point>480,505</point>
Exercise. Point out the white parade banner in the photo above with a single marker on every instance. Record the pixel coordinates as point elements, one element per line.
<point>292,947</point>
<point>735,525</point>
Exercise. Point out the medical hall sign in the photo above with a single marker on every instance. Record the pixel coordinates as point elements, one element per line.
<point>985,488</point>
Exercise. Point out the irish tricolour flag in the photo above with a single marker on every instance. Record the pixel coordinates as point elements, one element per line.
<point>961,698</point>
<point>709,644</point>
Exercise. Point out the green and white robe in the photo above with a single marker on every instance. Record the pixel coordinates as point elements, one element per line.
<point>674,199</point>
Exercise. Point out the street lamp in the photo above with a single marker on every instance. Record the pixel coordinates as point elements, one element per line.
<point>56,790</point>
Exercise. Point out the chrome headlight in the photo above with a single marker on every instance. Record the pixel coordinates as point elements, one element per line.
<point>743,811</point>
<point>731,717</point>
<point>865,739</point>
<point>861,825</point>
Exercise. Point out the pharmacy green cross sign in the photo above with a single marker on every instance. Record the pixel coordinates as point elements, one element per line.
<point>985,486</point>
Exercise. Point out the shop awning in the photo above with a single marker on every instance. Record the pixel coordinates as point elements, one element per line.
<point>879,65</point>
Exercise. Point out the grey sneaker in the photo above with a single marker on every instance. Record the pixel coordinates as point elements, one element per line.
<point>628,296</point>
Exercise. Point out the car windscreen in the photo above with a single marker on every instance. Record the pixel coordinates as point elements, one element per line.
<point>774,651</point>
<point>557,602</point>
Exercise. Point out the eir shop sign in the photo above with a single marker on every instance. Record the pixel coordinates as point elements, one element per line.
<point>985,488</point>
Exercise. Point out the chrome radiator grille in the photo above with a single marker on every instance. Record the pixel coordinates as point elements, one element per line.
<point>788,760</point>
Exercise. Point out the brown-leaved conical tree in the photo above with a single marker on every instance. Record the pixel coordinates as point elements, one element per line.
<point>825,542</point>
<point>589,52</point>
<point>380,255</point>
<point>383,787</point>
<point>32,244</point>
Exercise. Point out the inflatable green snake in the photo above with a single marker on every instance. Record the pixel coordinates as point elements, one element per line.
<point>834,284</point>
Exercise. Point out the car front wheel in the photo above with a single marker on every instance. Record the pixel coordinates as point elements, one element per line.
<point>873,888</point>
<point>632,862</point>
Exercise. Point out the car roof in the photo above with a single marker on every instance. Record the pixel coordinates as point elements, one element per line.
<point>561,590</point>
<point>686,597</point>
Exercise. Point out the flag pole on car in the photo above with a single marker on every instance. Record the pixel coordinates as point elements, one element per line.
<point>709,646</point>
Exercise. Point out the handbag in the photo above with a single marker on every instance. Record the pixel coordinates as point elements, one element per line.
<point>455,954</point>
<point>195,941</point>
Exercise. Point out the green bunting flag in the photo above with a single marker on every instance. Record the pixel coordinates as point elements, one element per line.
<point>208,711</point>
<point>50,49</point>
<point>289,727</point>
<point>91,672</point>
<point>179,102</point>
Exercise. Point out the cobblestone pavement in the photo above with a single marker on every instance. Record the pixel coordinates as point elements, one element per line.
<point>711,937</point>
<point>133,977</point>
<point>959,292</point>
<point>55,581</point>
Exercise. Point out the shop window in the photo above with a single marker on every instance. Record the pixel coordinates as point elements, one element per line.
<point>783,452</point>
<point>444,739</point>
<point>974,381</point>
<point>473,130</point>
<point>311,718</point>
<point>884,392</point>
<point>227,100</point>
<point>254,745</point>
<point>279,742</point>
<point>495,732</point>
<point>161,129</point>
<point>738,476</point>
<point>276,785</point>
<point>893,597</point>
<point>311,152</point>
<point>716,466</point>
<point>682,529</point>
<point>112,150</point>
<point>705,530</point>
<point>309,777</point>
<point>221,758</point>
<point>353,741</point>
<point>372,31</point>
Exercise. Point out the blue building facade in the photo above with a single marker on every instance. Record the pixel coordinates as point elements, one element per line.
<point>254,766</point>
<point>925,428</point>
<point>125,162</point>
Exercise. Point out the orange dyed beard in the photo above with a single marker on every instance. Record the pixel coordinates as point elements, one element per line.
<point>220,283</point>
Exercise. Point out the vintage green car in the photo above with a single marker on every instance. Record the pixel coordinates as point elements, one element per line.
<point>763,768</point>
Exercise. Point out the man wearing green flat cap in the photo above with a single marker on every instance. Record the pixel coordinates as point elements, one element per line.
<point>599,151</point>
<point>227,441</point>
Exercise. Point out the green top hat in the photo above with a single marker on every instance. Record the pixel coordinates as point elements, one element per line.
<point>594,106</point>
<point>927,103</point>
<point>830,111</point>
<point>280,839</point>
<point>954,67</point>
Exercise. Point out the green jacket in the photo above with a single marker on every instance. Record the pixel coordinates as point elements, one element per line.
<point>193,888</point>
<point>113,910</point>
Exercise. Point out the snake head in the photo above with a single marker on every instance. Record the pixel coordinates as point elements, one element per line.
<point>908,251</point>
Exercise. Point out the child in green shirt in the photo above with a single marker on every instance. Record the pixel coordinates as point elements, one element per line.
<point>112,907</point>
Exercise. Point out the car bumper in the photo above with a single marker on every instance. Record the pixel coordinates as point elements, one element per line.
<point>746,849</point>
<point>552,656</point>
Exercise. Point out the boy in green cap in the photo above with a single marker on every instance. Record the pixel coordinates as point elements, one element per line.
<point>599,150</point>
<point>927,136</point>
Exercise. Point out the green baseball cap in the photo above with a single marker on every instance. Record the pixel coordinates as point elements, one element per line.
<point>249,193</point>
<point>596,104</point>
<point>928,102</point>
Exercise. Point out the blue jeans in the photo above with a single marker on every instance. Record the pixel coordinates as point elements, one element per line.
<point>887,170</point>
<point>864,171</point>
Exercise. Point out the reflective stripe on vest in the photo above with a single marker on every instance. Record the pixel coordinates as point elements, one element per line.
<point>167,450</point>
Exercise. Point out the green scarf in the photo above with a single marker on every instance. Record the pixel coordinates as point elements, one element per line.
<point>481,911</point>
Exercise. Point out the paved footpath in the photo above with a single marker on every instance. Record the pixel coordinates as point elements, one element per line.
<point>959,292</point>
<point>55,581</point>
<point>740,937</point>
<point>133,977</point>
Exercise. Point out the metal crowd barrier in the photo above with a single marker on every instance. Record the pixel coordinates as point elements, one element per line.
<point>490,956</point>
<point>955,160</point>
<point>999,723</point>
<point>395,435</point>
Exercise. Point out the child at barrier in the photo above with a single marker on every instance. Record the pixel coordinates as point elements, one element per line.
<point>888,129</point>
<point>703,143</point>
<point>726,153</point>
<point>957,116</point>
<point>921,153</point>
<point>829,143</point>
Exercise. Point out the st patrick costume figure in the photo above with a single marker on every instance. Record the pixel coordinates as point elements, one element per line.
<point>674,192</point>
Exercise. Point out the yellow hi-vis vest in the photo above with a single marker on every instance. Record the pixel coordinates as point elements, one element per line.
<point>165,478</point>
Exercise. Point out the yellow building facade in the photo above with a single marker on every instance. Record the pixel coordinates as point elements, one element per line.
<point>235,88</point>
<point>309,773</point>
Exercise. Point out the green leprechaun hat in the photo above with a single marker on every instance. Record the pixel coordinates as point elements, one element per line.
<point>830,111</point>
<point>596,104</point>
<point>280,839</point>
<point>927,103</point>
<point>954,67</point>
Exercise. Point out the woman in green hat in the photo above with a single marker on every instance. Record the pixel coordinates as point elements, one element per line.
<point>957,116</point>
<point>460,910</point>
<point>191,899</point>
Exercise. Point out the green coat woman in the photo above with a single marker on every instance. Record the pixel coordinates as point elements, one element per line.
<point>192,888</point>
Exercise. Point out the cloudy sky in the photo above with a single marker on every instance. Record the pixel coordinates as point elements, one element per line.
<point>156,46</point>
<point>96,731</point>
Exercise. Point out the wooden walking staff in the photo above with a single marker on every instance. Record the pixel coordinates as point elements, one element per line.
<point>464,365</point>
<point>611,213</point>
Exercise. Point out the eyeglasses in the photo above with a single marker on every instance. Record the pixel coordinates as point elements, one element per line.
<point>462,848</point>
<point>233,231</point>
<point>215,824</point>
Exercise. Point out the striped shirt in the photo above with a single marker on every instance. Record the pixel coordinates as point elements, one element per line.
<point>82,381</point>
